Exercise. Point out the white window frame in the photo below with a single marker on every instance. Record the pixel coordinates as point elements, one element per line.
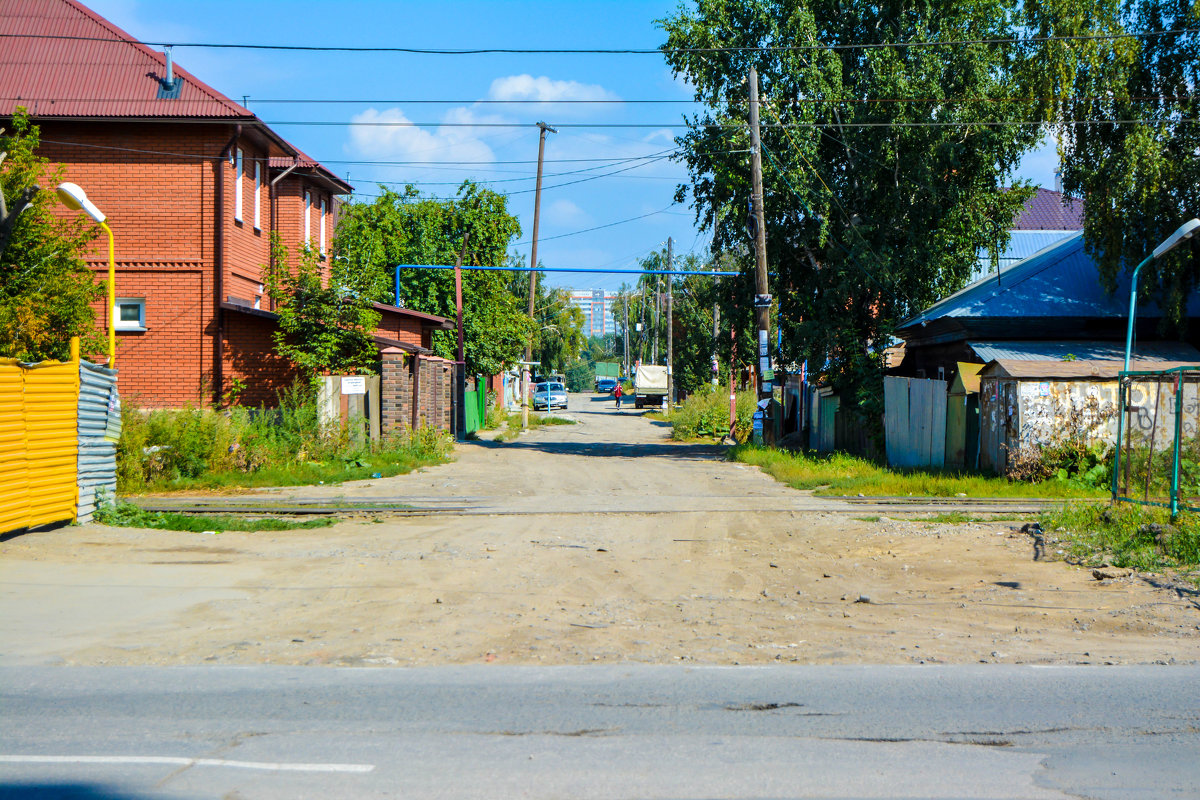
<point>237,186</point>
<point>322,227</point>
<point>257,194</point>
<point>307,217</point>
<point>129,325</point>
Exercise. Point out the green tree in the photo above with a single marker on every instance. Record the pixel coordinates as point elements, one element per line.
<point>558,336</point>
<point>46,289</point>
<point>874,208</point>
<point>405,228</point>
<point>324,324</point>
<point>1139,179</point>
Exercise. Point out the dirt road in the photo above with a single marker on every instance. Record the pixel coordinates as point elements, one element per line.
<point>597,542</point>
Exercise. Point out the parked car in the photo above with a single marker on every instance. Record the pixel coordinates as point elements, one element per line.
<point>606,385</point>
<point>549,396</point>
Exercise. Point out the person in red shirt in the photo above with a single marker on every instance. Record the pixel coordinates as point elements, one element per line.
<point>617,394</point>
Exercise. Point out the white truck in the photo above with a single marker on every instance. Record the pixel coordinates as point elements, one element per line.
<point>649,385</point>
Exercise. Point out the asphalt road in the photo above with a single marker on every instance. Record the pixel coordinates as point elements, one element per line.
<point>599,732</point>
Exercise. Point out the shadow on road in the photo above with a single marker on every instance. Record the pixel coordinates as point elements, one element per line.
<point>67,791</point>
<point>683,452</point>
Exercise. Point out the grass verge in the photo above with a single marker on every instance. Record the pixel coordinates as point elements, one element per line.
<point>1125,535</point>
<point>127,515</point>
<point>512,424</point>
<point>202,448</point>
<point>840,474</point>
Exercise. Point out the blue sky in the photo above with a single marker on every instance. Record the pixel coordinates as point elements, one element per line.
<point>388,84</point>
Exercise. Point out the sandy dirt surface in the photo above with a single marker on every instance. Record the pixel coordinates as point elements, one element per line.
<point>596,542</point>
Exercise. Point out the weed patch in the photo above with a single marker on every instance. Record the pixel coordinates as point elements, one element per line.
<point>705,415</point>
<point>841,474</point>
<point>1124,535</point>
<point>201,448</point>
<point>127,515</point>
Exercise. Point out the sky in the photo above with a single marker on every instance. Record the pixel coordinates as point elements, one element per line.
<point>388,88</point>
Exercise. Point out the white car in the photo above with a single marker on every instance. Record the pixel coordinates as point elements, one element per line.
<point>549,396</point>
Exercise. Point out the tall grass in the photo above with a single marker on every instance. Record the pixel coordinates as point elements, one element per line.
<point>841,474</point>
<point>194,448</point>
<point>705,414</point>
<point>1125,535</point>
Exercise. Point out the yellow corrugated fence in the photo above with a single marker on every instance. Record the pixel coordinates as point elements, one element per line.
<point>39,447</point>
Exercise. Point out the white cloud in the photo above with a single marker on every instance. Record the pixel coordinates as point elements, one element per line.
<point>565,212</point>
<point>527,87</point>
<point>396,140</point>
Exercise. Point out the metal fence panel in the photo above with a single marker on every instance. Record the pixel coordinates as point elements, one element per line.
<point>99,431</point>
<point>51,396</point>
<point>915,422</point>
<point>1158,450</point>
<point>14,466</point>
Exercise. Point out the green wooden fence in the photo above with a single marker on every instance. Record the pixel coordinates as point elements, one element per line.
<point>475,406</point>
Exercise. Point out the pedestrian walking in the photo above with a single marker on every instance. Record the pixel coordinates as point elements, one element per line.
<point>617,394</point>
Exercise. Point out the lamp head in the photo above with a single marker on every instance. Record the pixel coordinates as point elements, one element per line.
<point>1186,231</point>
<point>74,198</point>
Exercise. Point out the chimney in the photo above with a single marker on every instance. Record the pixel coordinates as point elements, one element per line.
<point>168,87</point>
<point>1058,180</point>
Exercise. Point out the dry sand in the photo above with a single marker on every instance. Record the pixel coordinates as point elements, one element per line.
<point>597,542</point>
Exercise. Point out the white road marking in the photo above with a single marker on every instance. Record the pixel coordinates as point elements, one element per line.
<point>179,761</point>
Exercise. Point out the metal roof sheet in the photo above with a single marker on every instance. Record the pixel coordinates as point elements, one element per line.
<point>1049,210</point>
<point>1146,352</point>
<point>117,77</point>
<point>1069,370</point>
<point>1060,281</point>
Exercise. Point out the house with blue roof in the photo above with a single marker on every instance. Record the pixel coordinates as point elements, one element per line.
<point>1050,306</point>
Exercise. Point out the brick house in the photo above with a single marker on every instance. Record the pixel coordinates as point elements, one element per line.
<point>194,185</point>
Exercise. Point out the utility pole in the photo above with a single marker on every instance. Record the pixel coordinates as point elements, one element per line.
<point>533,262</point>
<point>657,309</point>
<point>625,305</point>
<point>670,333</point>
<point>460,367</point>
<point>716,334</point>
<point>762,295</point>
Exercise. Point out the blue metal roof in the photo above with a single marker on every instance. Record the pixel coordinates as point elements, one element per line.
<point>1021,245</point>
<point>1061,280</point>
<point>1083,351</point>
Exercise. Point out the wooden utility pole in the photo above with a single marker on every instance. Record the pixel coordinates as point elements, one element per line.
<point>533,263</point>
<point>762,295</point>
<point>657,324</point>
<point>625,305</point>
<point>670,332</point>
<point>460,367</point>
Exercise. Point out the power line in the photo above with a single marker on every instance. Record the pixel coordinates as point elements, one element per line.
<point>597,228</point>
<point>656,51</point>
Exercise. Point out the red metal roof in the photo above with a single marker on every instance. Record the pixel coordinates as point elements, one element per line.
<point>1048,210</point>
<point>117,77</point>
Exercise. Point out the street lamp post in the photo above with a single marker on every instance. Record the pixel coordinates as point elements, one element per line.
<point>1185,231</point>
<point>74,198</point>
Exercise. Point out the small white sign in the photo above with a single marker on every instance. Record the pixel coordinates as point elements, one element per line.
<point>354,384</point>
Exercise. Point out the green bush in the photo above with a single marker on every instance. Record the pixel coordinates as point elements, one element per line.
<point>203,447</point>
<point>1125,535</point>
<point>706,414</point>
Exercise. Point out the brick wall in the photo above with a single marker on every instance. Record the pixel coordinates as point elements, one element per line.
<point>157,185</point>
<point>250,356</point>
<point>396,395</point>
<point>401,327</point>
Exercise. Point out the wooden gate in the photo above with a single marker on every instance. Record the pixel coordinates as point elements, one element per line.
<point>915,422</point>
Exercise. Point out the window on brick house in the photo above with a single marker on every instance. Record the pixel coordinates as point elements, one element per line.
<point>322,251</point>
<point>237,186</point>
<point>257,195</point>
<point>129,314</point>
<point>307,217</point>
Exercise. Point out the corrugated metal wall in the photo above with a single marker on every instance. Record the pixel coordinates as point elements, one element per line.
<point>14,469</point>
<point>98,431</point>
<point>915,422</point>
<point>38,443</point>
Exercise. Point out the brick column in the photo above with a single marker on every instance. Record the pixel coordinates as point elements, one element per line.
<point>395,391</point>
